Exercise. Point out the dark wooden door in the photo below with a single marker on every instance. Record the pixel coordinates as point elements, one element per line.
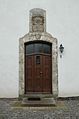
<point>38,68</point>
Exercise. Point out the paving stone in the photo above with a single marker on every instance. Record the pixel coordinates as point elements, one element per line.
<point>70,110</point>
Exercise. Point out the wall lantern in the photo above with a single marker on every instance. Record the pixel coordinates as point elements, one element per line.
<point>61,48</point>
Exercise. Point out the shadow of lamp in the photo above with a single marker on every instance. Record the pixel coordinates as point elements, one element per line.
<point>61,49</point>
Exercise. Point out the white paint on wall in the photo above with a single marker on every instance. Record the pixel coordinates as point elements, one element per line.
<point>62,22</point>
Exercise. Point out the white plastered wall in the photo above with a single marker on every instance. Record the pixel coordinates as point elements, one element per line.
<point>62,22</point>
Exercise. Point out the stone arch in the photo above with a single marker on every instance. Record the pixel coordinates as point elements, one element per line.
<point>42,37</point>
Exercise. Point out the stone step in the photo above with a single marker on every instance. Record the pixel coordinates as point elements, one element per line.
<point>37,101</point>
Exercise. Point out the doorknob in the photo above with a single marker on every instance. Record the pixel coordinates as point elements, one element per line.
<point>41,72</point>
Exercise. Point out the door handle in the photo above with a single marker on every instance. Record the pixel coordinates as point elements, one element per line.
<point>41,72</point>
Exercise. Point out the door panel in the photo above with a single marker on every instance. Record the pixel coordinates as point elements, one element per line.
<point>47,82</point>
<point>29,74</point>
<point>38,76</point>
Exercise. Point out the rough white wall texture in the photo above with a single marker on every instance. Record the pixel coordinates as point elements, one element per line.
<point>62,22</point>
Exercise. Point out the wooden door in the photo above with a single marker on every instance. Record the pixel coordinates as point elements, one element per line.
<point>38,68</point>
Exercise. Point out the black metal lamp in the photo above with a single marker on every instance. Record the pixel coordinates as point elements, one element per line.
<point>61,48</point>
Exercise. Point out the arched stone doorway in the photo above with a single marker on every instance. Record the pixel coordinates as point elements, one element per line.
<point>39,36</point>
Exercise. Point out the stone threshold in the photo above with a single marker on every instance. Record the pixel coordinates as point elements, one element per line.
<point>38,101</point>
<point>37,95</point>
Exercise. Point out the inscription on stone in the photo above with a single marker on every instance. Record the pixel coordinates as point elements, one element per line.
<point>37,24</point>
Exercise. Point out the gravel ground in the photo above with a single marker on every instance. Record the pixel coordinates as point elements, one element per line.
<point>67,108</point>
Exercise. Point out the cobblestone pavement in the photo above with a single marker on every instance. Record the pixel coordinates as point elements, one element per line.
<point>66,109</point>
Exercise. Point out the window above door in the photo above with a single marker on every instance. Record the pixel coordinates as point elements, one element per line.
<point>38,47</point>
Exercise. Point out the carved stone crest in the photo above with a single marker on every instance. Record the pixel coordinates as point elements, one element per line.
<point>37,24</point>
<point>38,36</point>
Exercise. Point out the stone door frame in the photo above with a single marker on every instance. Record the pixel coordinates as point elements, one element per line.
<point>46,38</point>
